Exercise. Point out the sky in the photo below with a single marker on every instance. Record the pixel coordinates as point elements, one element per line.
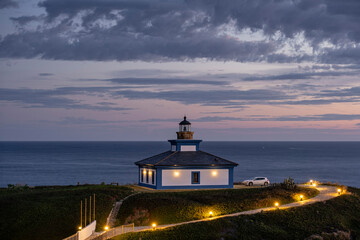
<point>129,70</point>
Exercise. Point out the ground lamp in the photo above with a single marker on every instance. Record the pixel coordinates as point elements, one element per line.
<point>211,214</point>
<point>276,204</point>
<point>80,228</point>
<point>339,191</point>
<point>106,228</point>
<point>301,197</point>
<point>314,184</point>
<point>153,226</point>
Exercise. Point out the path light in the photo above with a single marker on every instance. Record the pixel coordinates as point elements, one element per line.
<point>339,191</point>
<point>301,197</point>
<point>153,226</point>
<point>311,181</point>
<point>211,213</point>
<point>80,228</point>
<point>276,204</point>
<point>106,228</point>
<point>314,184</point>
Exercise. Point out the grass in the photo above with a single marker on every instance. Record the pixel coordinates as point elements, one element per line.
<point>325,219</point>
<point>173,207</point>
<point>52,212</point>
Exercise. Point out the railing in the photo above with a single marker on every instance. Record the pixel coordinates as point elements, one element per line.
<point>73,237</point>
<point>112,232</point>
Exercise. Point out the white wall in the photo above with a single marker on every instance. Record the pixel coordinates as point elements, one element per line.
<point>171,177</point>
<point>87,231</point>
<point>187,148</point>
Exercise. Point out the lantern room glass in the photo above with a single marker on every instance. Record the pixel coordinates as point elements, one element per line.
<point>184,128</point>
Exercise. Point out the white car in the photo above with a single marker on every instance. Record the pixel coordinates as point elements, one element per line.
<point>257,181</point>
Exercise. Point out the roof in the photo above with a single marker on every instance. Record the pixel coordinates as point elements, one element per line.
<point>184,122</point>
<point>195,158</point>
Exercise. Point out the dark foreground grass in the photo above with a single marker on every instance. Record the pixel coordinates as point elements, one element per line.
<point>52,212</point>
<point>173,207</point>
<point>322,218</point>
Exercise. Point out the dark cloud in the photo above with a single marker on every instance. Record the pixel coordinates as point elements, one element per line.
<point>226,98</point>
<point>36,98</point>
<point>323,117</point>
<point>345,92</point>
<point>83,121</point>
<point>301,76</point>
<point>8,4</point>
<point>162,81</point>
<point>45,74</point>
<point>181,30</point>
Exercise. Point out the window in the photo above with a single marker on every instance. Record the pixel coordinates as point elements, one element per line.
<point>143,172</point>
<point>147,177</point>
<point>153,177</point>
<point>195,177</point>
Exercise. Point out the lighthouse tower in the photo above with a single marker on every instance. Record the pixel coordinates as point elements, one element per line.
<point>185,141</point>
<point>185,130</point>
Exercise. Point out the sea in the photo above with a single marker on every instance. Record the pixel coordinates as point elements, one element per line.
<point>71,163</point>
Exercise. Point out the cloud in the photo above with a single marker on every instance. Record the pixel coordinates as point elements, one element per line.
<point>207,98</point>
<point>256,30</point>
<point>162,81</point>
<point>323,117</point>
<point>8,4</point>
<point>301,76</point>
<point>54,98</point>
<point>83,121</point>
<point>345,92</point>
<point>45,74</point>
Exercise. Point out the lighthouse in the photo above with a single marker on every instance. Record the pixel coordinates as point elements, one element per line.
<point>185,166</point>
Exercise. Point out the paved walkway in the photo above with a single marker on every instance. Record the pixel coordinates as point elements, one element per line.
<point>326,193</point>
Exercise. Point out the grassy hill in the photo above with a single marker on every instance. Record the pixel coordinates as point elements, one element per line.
<point>338,218</point>
<point>173,207</point>
<point>52,212</point>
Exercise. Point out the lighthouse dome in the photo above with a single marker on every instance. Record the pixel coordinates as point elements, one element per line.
<point>184,122</point>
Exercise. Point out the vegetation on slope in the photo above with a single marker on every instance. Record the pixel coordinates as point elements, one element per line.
<point>52,212</point>
<point>173,207</point>
<point>338,218</point>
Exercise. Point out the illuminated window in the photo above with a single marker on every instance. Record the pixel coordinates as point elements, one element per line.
<point>176,174</point>
<point>214,173</point>
<point>195,177</point>
<point>143,173</point>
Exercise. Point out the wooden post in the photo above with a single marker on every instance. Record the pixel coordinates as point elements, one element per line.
<point>94,206</point>
<point>85,211</point>
<point>90,206</point>
<point>81,214</point>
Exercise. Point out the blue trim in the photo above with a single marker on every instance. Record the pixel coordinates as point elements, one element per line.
<point>231,177</point>
<point>158,178</point>
<point>195,186</point>
<point>147,185</point>
<point>192,177</point>
<point>187,142</point>
<point>194,167</point>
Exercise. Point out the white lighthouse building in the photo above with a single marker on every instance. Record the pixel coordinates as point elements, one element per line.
<point>185,166</point>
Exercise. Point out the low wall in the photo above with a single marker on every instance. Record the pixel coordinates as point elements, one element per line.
<point>87,231</point>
